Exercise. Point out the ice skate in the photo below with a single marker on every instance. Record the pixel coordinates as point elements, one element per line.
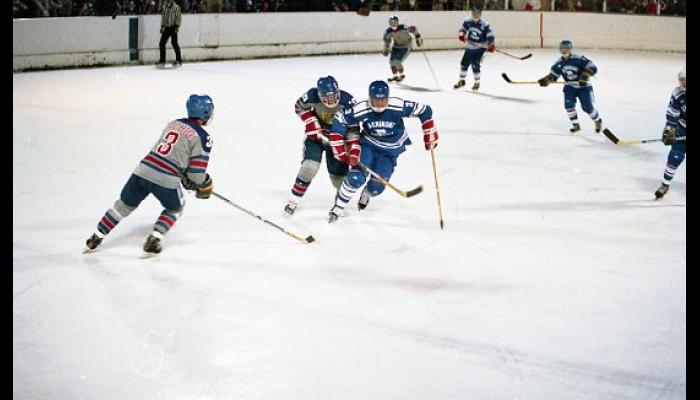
<point>460,83</point>
<point>152,245</point>
<point>575,128</point>
<point>177,64</point>
<point>661,191</point>
<point>364,200</point>
<point>334,213</point>
<point>598,125</point>
<point>290,207</point>
<point>400,78</point>
<point>394,78</point>
<point>92,242</point>
<point>476,86</point>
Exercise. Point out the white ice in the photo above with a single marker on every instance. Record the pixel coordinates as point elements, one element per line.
<point>557,275</point>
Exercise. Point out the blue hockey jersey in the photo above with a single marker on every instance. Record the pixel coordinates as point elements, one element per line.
<point>384,130</point>
<point>675,112</point>
<point>572,68</point>
<point>478,33</point>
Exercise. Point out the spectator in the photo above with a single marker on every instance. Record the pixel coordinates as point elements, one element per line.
<point>616,6</point>
<point>578,6</point>
<point>493,5</point>
<point>651,7</point>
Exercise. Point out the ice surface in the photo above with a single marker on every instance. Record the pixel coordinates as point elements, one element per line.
<point>557,275</point>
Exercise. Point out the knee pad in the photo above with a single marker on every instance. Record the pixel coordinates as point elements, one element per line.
<point>308,170</point>
<point>374,188</point>
<point>675,157</point>
<point>355,179</point>
<point>336,180</point>
<point>122,208</point>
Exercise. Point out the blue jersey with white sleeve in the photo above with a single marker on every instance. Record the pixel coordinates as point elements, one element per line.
<point>572,68</point>
<point>675,112</point>
<point>385,130</point>
<point>478,33</point>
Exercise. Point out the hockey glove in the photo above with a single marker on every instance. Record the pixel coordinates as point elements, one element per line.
<point>187,183</point>
<point>430,135</point>
<point>544,81</point>
<point>462,37</point>
<point>583,81</point>
<point>385,52</point>
<point>313,127</point>
<point>204,190</point>
<point>355,150</point>
<point>669,135</point>
<point>419,41</point>
<point>491,47</point>
<point>338,145</point>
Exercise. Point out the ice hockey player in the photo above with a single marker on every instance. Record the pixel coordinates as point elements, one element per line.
<point>576,70</point>
<point>674,134</point>
<point>316,109</point>
<point>479,38</point>
<point>382,139</point>
<point>179,157</point>
<point>400,34</point>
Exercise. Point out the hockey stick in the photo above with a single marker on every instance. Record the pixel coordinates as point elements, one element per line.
<point>437,189</point>
<point>619,142</point>
<point>308,239</point>
<point>431,69</point>
<point>517,82</point>
<point>516,57</point>
<point>384,182</point>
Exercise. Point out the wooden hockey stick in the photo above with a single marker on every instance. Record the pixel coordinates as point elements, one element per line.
<point>619,142</point>
<point>437,189</point>
<point>308,239</point>
<point>384,182</point>
<point>431,69</point>
<point>507,79</point>
<point>516,57</point>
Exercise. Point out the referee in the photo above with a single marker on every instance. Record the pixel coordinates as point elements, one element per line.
<point>169,25</point>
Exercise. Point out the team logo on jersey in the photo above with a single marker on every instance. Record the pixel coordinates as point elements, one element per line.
<point>327,117</point>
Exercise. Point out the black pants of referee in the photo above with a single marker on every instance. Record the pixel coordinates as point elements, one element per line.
<point>169,32</point>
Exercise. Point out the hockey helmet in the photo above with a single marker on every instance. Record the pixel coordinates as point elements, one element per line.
<point>476,13</point>
<point>328,91</point>
<point>201,107</point>
<point>681,78</point>
<point>393,21</point>
<point>378,96</point>
<point>565,48</point>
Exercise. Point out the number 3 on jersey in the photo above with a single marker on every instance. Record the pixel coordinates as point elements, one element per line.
<point>166,145</point>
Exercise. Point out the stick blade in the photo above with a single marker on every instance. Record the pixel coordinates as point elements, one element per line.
<point>442,224</point>
<point>506,77</point>
<point>608,134</point>
<point>415,191</point>
<point>309,239</point>
<point>526,57</point>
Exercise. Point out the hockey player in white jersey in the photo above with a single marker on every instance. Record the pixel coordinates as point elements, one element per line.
<point>178,159</point>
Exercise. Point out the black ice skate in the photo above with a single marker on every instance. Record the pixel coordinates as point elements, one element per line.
<point>364,200</point>
<point>394,78</point>
<point>575,128</point>
<point>476,86</point>
<point>290,207</point>
<point>92,242</point>
<point>152,245</point>
<point>334,213</point>
<point>661,191</point>
<point>598,125</point>
<point>459,84</point>
<point>400,78</point>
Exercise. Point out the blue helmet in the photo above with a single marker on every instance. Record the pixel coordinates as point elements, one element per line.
<point>378,90</point>
<point>200,106</point>
<point>328,91</point>
<point>566,44</point>
<point>394,18</point>
<point>476,11</point>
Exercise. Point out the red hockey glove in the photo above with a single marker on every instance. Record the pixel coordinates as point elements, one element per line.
<point>462,37</point>
<point>430,135</point>
<point>338,145</point>
<point>313,127</point>
<point>491,47</point>
<point>355,150</point>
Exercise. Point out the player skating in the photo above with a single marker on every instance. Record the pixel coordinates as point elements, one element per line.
<point>479,38</point>
<point>179,157</point>
<point>400,35</point>
<point>674,134</point>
